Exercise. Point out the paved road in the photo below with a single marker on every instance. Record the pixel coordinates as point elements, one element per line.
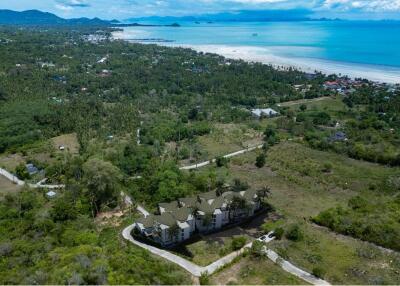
<point>185,264</point>
<point>19,182</point>
<point>210,269</point>
<point>205,163</point>
<point>143,211</point>
<point>288,267</point>
<point>301,101</point>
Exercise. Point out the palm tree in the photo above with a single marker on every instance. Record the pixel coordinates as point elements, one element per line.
<point>264,192</point>
<point>173,231</point>
<point>235,204</point>
<point>194,213</point>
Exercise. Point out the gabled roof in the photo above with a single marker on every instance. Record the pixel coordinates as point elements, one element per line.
<point>250,195</point>
<point>205,207</point>
<point>208,195</point>
<point>218,202</point>
<point>189,202</point>
<point>165,219</point>
<point>146,221</point>
<point>182,214</point>
<point>169,207</point>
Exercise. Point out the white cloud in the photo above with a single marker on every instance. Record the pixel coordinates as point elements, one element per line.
<point>64,7</point>
<point>365,5</point>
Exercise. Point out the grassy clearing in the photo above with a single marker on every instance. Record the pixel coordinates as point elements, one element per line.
<point>332,105</point>
<point>305,182</point>
<point>209,248</point>
<point>69,141</point>
<point>228,138</point>
<point>345,260</point>
<point>11,161</point>
<point>7,187</point>
<point>254,271</point>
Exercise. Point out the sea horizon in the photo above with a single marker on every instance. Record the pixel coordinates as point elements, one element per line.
<point>358,49</point>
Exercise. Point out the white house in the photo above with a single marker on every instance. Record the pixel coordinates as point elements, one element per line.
<point>269,112</point>
<point>203,213</point>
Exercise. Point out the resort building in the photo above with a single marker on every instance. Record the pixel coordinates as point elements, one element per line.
<point>267,112</point>
<point>206,212</point>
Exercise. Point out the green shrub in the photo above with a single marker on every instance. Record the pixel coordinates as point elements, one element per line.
<point>221,161</point>
<point>260,160</point>
<point>257,248</point>
<point>327,168</point>
<point>278,233</point>
<point>22,172</point>
<point>238,242</point>
<point>294,233</point>
<point>204,278</point>
<point>318,272</point>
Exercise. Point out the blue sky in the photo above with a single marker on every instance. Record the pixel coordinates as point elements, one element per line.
<point>122,9</point>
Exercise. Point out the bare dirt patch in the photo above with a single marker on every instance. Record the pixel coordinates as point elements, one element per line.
<point>11,161</point>
<point>68,141</point>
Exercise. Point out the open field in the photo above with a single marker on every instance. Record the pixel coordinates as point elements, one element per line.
<point>301,189</point>
<point>345,260</point>
<point>69,141</point>
<point>7,187</point>
<point>254,271</point>
<point>209,248</point>
<point>224,139</point>
<point>11,161</point>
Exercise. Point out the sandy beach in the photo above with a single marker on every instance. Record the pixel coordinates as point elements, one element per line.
<point>267,56</point>
<point>263,55</point>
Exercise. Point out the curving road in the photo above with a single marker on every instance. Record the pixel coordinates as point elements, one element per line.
<point>19,182</point>
<point>213,267</point>
<point>205,163</point>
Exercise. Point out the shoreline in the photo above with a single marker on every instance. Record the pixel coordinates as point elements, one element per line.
<point>308,65</point>
<point>263,55</point>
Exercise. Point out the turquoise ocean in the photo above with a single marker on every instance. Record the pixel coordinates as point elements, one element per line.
<point>369,49</point>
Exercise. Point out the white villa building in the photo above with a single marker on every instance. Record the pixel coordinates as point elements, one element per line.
<point>269,112</point>
<point>204,213</point>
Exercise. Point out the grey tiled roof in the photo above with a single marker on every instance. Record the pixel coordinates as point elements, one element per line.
<point>169,206</point>
<point>146,221</point>
<point>173,212</point>
<point>181,214</point>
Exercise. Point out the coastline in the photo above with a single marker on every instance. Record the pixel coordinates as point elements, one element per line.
<point>264,55</point>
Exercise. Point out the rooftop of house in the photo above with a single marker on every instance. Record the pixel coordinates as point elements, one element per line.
<point>266,111</point>
<point>180,211</point>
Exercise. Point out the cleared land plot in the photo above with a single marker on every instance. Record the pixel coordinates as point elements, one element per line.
<point>209,248</point>
<point>69,141</point>
<point>225,138</point>
<point>254,271</point>
<point>7,187</point>
<point>11,161</point>
<point>301,189</point>
<point>345,260</point>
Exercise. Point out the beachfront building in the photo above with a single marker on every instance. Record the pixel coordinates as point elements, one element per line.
<point>207,212</point>
<point>268,112</point>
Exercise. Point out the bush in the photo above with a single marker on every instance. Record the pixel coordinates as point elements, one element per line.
<point>318,272</point>
<point>294,233</point>
<point>204,278</point>
<point>260,160</point>
<point>257,248</point>
<point>327,168</point>
<point>22,172</point>
<point>221,161</point>
<point>238,242</point>
<point>278,233</point>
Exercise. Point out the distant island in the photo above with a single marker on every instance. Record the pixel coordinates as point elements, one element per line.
<point>39,18</point>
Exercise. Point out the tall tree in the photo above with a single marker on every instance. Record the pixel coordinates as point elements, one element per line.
<point>102,181</point>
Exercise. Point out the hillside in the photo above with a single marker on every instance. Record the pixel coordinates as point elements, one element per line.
<point>36,17</point>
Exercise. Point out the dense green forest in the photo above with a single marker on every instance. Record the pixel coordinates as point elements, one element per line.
<point>54,81</point>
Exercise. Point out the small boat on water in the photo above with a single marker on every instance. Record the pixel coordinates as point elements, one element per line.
<point>255,35</point>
